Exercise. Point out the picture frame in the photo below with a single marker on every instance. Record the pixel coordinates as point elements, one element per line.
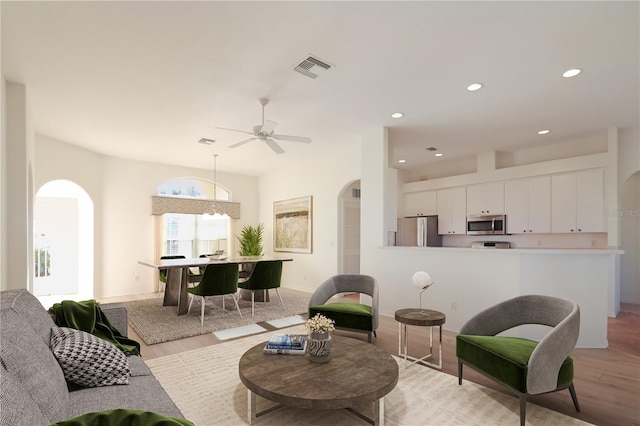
<point>293,225</point>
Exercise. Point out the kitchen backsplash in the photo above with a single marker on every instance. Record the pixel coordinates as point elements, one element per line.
<point>535,241</point>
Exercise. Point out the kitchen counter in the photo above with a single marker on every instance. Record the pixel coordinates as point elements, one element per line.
<point>515,250</point>
<point>468,280</point>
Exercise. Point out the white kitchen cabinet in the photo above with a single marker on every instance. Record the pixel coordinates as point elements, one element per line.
<point>528,205</point>
<point>577,202</point>
<point>452,206</point>
<point>485,198</point>
<point>420,203</point>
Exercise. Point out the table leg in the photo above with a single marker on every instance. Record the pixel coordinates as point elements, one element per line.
<point>403,348</point>
<point>175,293</point>
<point>251,407</point>
<point>378,411</point>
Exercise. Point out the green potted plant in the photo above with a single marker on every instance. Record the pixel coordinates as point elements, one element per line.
<point>250,240</point>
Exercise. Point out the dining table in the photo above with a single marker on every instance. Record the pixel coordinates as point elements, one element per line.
<point>175,293</point>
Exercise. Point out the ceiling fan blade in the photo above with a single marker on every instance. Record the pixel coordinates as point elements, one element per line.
<point>274,146</point>
<point>237,144</point>
<point>268,126</point>
<point>292,138</point>
<point>234,130</point>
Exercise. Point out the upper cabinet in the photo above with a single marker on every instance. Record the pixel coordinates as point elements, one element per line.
<point>577,202</point>
<point>486,198</point>
<point>451,205</point>
<point>420,203</point>
<point>528,205</point>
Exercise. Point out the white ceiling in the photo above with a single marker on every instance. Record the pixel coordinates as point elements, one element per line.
<point>146,80</point>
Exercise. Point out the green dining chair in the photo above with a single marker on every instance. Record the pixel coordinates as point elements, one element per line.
<point>218,279</point>
<point>163,272</point>
<point>193,278</point>
<point>266,275</point>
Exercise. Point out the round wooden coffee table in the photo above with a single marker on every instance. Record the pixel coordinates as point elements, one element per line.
<point>357,372</point>
<point>424,318</point>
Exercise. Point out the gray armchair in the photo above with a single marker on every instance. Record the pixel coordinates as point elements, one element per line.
<point>525,366</point>
<point>348,315</point>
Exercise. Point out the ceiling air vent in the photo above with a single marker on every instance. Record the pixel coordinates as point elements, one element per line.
<point>431,148</point>
<point>310,66</point>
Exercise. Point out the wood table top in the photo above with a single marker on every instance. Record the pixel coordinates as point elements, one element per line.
<point>418,316</point>
<point>357,372</point>
<point>203,261</point>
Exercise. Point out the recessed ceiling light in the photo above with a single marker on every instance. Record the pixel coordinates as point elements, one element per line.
<point>439,154</point>
<point>402,161</point>
<point>572,72</point>
<point>397,115</point>
<point>544,132</point>
<point>473,87</point>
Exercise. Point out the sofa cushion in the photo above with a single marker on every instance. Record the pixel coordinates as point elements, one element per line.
<point>142,393</point>
<point>119,417</point>
<point>346,315</point>
<point>88,360</point>
<point>31,310</point>
<point>28,359</point>
<point>505,359</point>
<point>17,408</point>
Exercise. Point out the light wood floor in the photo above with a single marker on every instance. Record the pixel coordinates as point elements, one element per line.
<point>607,381</point>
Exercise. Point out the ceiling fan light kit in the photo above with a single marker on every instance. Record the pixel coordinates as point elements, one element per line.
<point>264,132</point>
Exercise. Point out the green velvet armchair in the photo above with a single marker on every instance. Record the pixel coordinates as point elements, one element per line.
<point>525,366</point>
<point>348,315</point>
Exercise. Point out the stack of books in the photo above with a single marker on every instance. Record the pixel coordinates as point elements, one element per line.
<point>290,344</point>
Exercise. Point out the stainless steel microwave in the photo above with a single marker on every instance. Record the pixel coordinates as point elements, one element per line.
<point>495,224</point>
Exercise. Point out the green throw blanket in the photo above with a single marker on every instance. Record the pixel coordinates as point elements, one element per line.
<point>87,316</point>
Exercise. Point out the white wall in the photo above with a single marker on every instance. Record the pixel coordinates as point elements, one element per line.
<point>3,183</point>
<point>18,189</point>
<point>121,191</point>
<point>630,240</point>
<point>629,187</point>
<point>323,178</point>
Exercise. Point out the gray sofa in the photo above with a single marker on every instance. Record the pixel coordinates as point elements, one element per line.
<point>33,390</point>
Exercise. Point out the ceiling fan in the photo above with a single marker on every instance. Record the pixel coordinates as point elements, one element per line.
<point>264,132</point>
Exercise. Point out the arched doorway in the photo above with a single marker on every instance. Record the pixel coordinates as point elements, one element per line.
<point>349,229</point>
<point>63,242</point>
<point>629,216</point>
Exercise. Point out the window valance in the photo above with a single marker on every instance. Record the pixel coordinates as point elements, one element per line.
<point>162,205</point>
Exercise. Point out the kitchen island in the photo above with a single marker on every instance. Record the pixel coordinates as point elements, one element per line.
<point>467,281</point>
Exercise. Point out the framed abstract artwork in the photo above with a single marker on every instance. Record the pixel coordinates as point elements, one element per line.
<point>293,225</point>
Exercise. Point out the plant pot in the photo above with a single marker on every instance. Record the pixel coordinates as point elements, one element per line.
<point>319,347</point>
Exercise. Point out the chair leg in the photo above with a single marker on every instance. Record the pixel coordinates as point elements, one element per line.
<point>237,306</point>
<point>574,397</point>
<point>252,301</point>
<point>369,337</point>
<point>523,408</point>
<point>202,314</point>
<point>190,303</point>
<point>459,372</point>
<point>223,308</point>
<point>281,302</point>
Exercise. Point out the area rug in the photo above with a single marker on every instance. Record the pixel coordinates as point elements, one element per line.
<point>209,392</point>
<point>155,323</point>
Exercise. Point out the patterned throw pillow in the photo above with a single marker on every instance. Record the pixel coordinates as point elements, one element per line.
<point>88,360</point>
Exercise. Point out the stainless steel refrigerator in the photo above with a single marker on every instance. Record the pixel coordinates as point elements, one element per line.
<point>421,231</point>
